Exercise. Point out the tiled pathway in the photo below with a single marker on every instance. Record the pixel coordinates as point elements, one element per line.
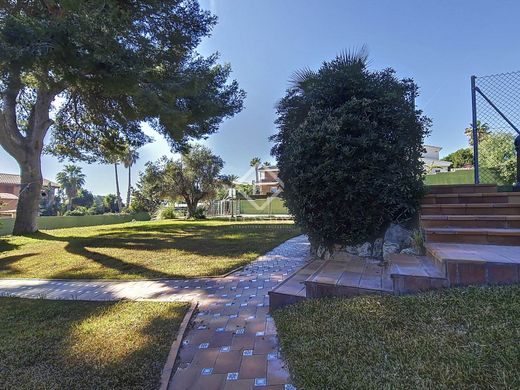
<point>232,344</point>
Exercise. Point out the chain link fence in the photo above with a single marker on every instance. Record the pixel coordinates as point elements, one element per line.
<point>496,124</point>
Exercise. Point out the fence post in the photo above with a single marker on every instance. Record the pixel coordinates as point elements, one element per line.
<point>475,132</point>
<point>516,187</point>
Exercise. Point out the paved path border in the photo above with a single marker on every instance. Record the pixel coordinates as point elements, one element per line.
<point>176,345</point>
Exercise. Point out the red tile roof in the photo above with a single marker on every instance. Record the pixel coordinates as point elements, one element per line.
<point>9,178</point>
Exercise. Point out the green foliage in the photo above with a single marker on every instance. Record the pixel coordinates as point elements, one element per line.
<point>244,189</point>
<point>84,198</point>
<point>194,177</point>
<point>497,153</point>
<point>141,67</point>
<point>71,179</point>
<point>460,158</point>
<point>482,132</point>
<point>200,213</point>
<point>348,148</point>
<point>167,211</point>
<point>78,212</point>
<point>110,203</point>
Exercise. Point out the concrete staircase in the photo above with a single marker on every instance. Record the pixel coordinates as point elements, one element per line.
<point>472,237</point>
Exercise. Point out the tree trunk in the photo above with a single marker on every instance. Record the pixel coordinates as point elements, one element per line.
<point>129,185</point>
<point>118,192</point>
<point>29,197</point>
<point>26,147</point>
<point>192,208</point>
<point>257,187</point>
<point>69,203</point>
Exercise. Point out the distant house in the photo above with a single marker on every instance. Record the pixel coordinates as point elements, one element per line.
<point>268,180</point>
<point>432,161</point>
<point>10,187</point>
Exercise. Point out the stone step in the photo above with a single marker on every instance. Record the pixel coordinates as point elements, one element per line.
<point>473,264</point>
<point>348,278</point>
<point>411,273</point>
<point>461,188</point>
<point>491,236</point>
<point>471,221</point>
<point>479,197</point>
<point>471,209</point>
<point>292,289</point>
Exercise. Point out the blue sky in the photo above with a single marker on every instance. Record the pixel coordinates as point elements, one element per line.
<point>440,44</point>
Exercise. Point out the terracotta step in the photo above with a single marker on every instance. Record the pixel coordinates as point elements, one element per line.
<point>347,278</point>
<point>416,273</point>
<point>471,209</point>
<point>471,264</point>
<point>461,188</point>
<point>474,236</point>
<point>471,221</point>
<point>292,289</point>
<point>497,197</point>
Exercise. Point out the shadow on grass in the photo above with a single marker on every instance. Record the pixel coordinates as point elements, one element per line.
<point>6,263</point>
<point>192,239</point>
<point>66,344</point>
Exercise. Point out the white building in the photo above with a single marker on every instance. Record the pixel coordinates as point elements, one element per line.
<point>432,162</point>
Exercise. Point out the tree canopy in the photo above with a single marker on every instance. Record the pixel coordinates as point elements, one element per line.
<point>348,148</point>
<point>460,158</point>
<point>107,66</point>
<point>193,178</point>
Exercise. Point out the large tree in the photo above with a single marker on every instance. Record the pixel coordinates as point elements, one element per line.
<point>92,71</point>
<point>194,177</point>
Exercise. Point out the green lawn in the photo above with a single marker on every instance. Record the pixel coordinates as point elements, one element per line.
<point>455,177</point>
<point>85,345</point>
<point>459,339</point>
<point>271,206</point>
<point>136,250</point>
<point>463,177</point>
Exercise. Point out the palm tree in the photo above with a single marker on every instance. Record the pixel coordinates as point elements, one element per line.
<point>482,132</point>
<point>255,162</point>
<point>115,158</point>
<point>130,158</point>
<point>71,179</point>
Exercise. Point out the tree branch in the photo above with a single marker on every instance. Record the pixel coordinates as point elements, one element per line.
<point>10,137</point>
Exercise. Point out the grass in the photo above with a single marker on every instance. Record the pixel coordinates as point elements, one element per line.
<point>463,177</point>
<point>270,206</point>
<point>137,250</point>
<point>85,345</point>
<point>455,177</point>
<point>457,338</point>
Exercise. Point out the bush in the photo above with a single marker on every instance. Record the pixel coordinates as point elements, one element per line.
<point>497,153</point>
<point>167,212</point>
<point>78,212</point>
<point>348,148</point>
<point>200,213</point>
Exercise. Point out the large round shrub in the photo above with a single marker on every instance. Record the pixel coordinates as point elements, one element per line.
<point>348,148</point>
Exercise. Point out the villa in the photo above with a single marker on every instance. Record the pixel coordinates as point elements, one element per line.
<point>432,161</point>
<point>10,187</point>
<point>268,183</point>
